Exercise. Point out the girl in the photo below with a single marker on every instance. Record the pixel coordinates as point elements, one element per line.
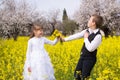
<point>38,65</point>
<point>92,39</point>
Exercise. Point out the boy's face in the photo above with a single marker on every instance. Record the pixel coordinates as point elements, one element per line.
<point>91,23</point>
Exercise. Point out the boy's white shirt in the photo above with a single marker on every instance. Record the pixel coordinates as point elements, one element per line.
<point>91,46</point>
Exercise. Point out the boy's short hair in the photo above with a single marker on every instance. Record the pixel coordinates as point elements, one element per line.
<point>98,20</point>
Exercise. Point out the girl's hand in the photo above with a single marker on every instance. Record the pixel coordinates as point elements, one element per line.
<point>86,35</point>
<point>29,69</point>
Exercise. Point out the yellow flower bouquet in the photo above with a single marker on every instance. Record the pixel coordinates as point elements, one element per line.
<point>57,33</point>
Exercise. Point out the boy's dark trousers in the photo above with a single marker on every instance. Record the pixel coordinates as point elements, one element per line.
<point>84,67</point>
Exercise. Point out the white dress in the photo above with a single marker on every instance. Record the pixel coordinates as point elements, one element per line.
<point>38,60</point>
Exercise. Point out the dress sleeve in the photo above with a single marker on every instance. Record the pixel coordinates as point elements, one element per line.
<point>29,49</point>
<point>76,36</point>
<point>47,41</point>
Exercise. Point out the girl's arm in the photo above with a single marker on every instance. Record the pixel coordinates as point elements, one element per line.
<point>94,44</point>
<point>29,47</point>
<point>75,36</point>
<point>47,41</point>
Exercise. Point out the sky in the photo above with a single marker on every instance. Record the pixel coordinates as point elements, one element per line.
<point>47,5</point>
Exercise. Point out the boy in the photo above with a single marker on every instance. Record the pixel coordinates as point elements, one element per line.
<point>92,39</point>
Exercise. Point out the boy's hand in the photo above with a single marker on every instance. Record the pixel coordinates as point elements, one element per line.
<point>29,69</point>
<point>86,35</point>
<point>58,37</point>
<point>62,39</point>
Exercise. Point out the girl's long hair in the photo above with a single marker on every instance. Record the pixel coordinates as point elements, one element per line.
<point>35,27</point>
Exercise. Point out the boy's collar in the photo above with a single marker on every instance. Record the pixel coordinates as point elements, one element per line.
<point>95,30</point>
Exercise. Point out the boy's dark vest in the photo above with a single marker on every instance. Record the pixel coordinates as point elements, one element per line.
<point>85,52</point>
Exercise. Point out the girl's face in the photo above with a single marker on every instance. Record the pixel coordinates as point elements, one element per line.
<point>38,32</point>
<point>91,23</point>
